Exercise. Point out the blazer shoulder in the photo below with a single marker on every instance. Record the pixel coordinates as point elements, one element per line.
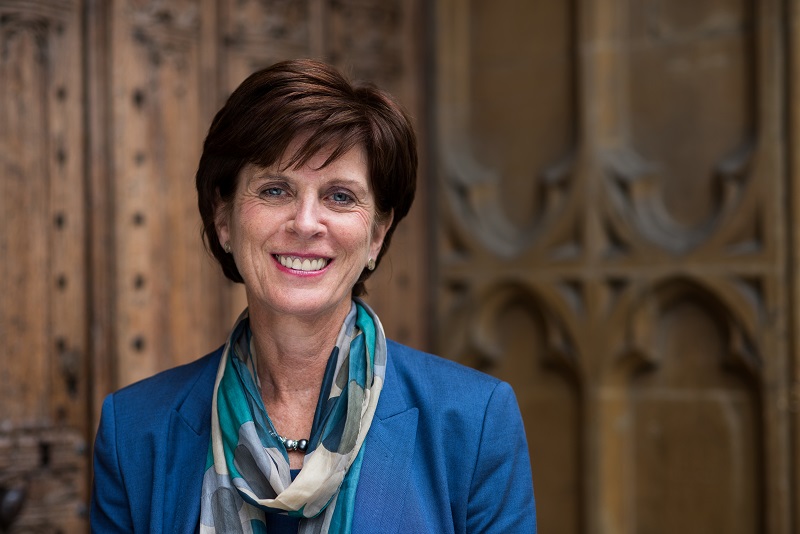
<point>425,377</point>
<point>408,360</point>
<point>169,389</point>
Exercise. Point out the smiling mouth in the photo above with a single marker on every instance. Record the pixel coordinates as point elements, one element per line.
<point>302,264</point>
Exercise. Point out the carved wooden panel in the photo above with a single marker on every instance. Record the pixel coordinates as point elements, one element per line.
<point>165,285</point>
<point>49,466</point>
<point>43,270</point>
<point>258,33</point>
<point>509,199</point>
<point>611,243</point>
<point>509,160</point>
<point>790,400</point>
<point>368,37</point>
<point>687,383</point>
<point>513,317</point>
<point>691,113</point>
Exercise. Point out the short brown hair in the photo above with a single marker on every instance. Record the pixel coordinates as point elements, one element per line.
<point>309,99</point>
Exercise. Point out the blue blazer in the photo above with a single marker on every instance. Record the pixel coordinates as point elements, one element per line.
<point>446,452</point>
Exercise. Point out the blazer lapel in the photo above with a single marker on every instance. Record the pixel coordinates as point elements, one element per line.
<point>388,455</point>
<point>189,436</point>
<point>184,477</point>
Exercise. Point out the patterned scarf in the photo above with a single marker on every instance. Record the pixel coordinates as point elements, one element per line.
<point>247,471</point>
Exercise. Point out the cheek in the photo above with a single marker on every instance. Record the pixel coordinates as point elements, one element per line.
<point>363,236</point>
<point>252,222</point>
<point>353,241</point>
<point>245,215</point>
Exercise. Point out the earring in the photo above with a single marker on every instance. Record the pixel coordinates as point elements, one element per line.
<point>227,247</point>
<point>371,264</point>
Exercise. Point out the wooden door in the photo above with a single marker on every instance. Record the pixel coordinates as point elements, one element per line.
<point>612,182</point>
<point>103,276</point>
<point>44,274</point>
<point>98,260</point>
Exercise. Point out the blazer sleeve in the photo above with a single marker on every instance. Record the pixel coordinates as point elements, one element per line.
<point>501,491</point>
<point>110,510</point>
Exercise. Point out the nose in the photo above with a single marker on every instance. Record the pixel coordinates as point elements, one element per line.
<point>307,222</point>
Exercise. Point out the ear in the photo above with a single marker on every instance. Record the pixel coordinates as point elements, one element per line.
<point>222,217</point>
<point>379,233</point>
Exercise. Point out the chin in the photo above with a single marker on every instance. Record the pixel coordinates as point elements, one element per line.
<point>309,306</point>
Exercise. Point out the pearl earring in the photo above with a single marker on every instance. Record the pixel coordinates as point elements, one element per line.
<point>227,247</point>
<point>371,264</point>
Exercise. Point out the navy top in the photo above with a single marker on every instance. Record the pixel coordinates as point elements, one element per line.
<point>283,524</point>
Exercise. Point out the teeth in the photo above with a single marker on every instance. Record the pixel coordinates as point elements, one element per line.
<point>302,264</point>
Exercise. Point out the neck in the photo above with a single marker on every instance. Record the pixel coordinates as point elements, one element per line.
<point>292,352</point>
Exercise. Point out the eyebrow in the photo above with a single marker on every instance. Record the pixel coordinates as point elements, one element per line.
<point>264,175</point>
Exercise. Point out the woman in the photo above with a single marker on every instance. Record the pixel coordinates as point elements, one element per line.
<point>308,419</point>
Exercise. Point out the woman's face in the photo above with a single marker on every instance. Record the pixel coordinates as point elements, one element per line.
<point>301,237</point>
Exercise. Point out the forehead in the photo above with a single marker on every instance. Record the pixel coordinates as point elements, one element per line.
<point>350,166</point>
<point>305,151</point>
<point>325,161</point>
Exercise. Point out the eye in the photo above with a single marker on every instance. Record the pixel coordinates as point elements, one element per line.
<point>273,191</point>
<point>341,197</point>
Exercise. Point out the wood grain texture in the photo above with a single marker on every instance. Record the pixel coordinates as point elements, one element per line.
<point>44,327</point>
<point>789,401</point>
<point>167,291</point>
<point>104,275</point>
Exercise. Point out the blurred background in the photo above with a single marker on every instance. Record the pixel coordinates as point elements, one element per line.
<point>606,218</point>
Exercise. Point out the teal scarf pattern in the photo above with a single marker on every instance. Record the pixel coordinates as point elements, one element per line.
<point>247,472</point>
